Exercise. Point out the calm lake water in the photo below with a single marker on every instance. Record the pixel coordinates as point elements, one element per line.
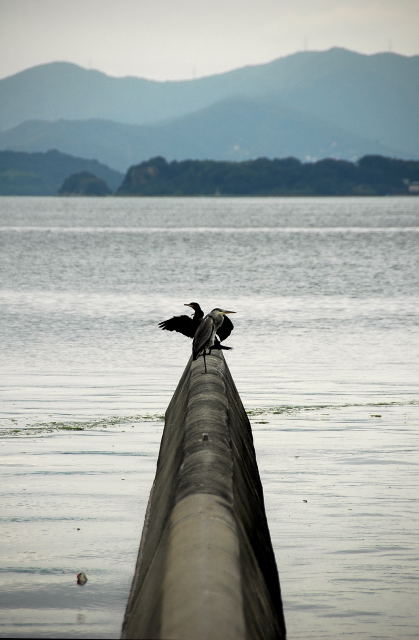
<point>325,358</point>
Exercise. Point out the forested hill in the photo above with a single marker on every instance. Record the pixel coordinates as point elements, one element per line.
<point>371,175</point>
<point>42,174</point>
<point>45,173</point>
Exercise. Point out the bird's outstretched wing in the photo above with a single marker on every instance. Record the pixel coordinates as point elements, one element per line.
<point>225,329</point>
<point>182,324</point>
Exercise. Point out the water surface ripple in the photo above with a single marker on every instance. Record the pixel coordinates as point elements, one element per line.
<point>325,358</point>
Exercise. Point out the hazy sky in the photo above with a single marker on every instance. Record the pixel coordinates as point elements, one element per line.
<point>172,39</point>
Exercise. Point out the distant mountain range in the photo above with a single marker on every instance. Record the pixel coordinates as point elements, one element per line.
<point>309,105</point>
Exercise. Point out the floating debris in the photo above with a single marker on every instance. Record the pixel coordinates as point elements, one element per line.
<point>81,578</point>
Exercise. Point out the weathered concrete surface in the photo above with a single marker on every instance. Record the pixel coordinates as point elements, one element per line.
<point>206,569</point>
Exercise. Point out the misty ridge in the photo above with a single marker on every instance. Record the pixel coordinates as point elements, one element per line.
<point>310,105</point>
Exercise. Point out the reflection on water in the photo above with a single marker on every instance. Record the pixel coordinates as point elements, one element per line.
<point>324,356</point>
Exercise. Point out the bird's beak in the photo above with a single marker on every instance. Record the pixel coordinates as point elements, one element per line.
<point>187,305</point>
<point>225,312</point>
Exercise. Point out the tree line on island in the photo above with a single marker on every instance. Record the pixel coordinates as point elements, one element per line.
<point>370,175</point>
<point>84,183</point>
<point>52,173</point>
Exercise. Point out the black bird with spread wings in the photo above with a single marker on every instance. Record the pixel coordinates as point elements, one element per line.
<point>188,325</point>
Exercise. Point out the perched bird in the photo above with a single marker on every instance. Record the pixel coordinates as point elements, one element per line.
<point>188,325</point>
<point>204,338</point>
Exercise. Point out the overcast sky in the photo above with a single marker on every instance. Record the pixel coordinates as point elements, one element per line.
<point>173,39</point>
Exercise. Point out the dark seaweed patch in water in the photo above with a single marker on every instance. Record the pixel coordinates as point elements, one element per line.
<point>44,428</point>
<point>289,409</point>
